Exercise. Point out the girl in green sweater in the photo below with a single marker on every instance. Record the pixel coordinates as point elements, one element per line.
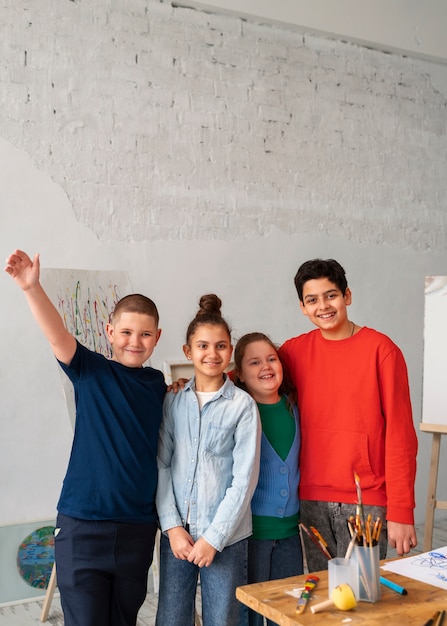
<point>275,548</point>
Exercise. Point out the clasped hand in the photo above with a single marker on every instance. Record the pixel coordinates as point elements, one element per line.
<point>183,547</point>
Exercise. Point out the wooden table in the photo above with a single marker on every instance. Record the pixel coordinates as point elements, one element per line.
<point>414,609</point>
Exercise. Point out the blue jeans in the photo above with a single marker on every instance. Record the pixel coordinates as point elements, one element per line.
<point>330,519</point>
<point>270,559</point>
<point>218,582</point>
<point>101,569</point>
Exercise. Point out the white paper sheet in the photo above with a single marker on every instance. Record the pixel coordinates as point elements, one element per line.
<point>429,567</point>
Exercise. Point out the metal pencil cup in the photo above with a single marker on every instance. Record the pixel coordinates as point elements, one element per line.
<point>367,558</point>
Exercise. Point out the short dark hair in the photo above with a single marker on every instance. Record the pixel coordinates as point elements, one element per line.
<point>320,268</point>
<point>135,303</point>
<point>208,313</point>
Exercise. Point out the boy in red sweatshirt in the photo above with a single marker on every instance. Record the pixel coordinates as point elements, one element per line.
<point>356,418</point>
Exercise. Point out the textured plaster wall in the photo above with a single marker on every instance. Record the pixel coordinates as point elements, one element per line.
<point>202,153</point>
<point>165,123</point>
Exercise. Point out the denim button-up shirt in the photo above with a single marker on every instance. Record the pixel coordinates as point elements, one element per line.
<point>208,464</point>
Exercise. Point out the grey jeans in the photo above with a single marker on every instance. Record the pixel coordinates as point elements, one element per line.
<point>330,519</point>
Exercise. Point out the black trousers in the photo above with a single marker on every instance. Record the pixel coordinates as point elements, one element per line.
<point>102,570</point>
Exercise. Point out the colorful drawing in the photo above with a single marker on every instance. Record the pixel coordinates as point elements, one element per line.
<point>85,298</point>
<point>429,567</point>
<point>35,557</point>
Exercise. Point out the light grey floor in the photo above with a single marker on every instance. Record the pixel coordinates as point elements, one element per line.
<point>29,613</point>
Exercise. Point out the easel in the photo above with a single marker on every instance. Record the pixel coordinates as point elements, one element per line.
<point>49,595</point>
<point>432,503</point>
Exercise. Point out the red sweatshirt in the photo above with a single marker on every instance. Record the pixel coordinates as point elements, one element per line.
<point>355,414</point>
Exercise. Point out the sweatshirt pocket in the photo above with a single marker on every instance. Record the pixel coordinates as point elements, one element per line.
<point>339,458</point>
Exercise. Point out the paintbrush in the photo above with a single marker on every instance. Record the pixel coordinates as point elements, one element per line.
<point>360,511</point>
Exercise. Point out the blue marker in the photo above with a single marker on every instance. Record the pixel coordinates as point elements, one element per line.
<point>393,586</point>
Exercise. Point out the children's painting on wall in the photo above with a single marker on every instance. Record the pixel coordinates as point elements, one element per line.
<point>85,298</point>
<point>35,557</point>
<point>27,557</point>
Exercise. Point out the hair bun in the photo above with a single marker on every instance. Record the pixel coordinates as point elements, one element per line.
<point>209,303</point>
<point>209,313</point>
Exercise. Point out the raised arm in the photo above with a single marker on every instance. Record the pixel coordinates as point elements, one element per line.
<point>26,273</point>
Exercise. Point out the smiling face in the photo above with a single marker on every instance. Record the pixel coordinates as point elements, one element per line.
<point>261,372</point>
<point>133,337</point>
<point>326,307</point>
<point>210,350</point>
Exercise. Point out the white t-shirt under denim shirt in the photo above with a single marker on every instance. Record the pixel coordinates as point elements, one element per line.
<point>208,463</point>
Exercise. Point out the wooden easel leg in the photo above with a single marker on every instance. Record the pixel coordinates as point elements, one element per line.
<point>431,495</point>
<point>197,620</point>
<point>156,562</point>
<point>49,595</point>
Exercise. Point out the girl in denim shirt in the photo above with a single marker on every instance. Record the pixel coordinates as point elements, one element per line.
<point>208,460</point>
<point>274,550</point>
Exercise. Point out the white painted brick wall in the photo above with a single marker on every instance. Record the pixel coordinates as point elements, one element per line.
<point>166,123</point>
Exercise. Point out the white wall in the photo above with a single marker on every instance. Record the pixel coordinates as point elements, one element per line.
<point>204,153</point>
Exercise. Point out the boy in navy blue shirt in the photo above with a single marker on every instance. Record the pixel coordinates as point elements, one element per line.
<point>107,520</point>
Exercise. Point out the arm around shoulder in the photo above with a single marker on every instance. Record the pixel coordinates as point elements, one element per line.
<point>26,273</point>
